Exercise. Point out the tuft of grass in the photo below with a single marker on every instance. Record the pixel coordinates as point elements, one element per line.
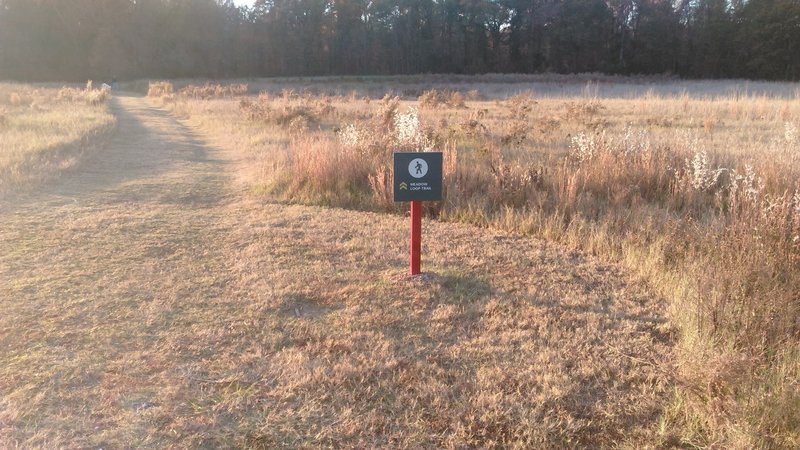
<point>323,170</point>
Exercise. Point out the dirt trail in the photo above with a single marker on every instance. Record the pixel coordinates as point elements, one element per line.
<point>147,303</point>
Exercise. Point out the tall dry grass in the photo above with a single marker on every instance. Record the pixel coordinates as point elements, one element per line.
<point>160,89</point>
<point>167,92</point>
<point>209,90</point>
<point>699,194</point>
<point>46,130</point>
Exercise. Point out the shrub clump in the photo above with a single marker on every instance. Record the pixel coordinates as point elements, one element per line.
<point>437,98</point>
<point>518,128</point>
<point>299,113</point>
<point>473,125</point>
<point>160,89</point>
<point>390,130</point>
<point>15,99</point>
<point>315,162</point>
<point>92,97</point>
<point>475,95</point>
<point>582,111</point>
<point>208,91</point>
<point>97,96</point>
<point>263,110</point>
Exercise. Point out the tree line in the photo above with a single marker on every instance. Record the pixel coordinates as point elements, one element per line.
<point>71,40</point>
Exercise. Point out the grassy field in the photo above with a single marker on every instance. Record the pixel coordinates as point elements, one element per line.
<point>695,186</point>
<point>45,130</point>
<point>616,264</point>
<point>151,301</point>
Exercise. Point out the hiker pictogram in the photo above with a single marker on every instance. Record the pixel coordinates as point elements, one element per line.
<point>418,168</point>
<point>417,176</point>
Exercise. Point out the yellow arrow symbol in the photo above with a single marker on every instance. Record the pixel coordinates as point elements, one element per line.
<point>403,186</point>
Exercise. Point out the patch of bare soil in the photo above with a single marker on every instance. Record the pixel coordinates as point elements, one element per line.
<point>148,303</point>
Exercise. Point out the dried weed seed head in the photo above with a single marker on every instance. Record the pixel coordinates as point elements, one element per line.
<point>745,186</point>
<point>298,125</point>
<point>408,130</point>
<point>583,147</point>
<point>353,136</point>
<point>387,111</point>
<point>791,133</point>
<point>405,132</point>
<point>699,174</point>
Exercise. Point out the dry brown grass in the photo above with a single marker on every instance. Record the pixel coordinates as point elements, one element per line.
<point>155,306</point>
<point>45,131</point>
<point>159,89</point>
<point>697,189</point>
<point>209,90</point>
<point>168,94</point>
<point>263,111</point>
<point>307,335</point>
<point>438,98</point>
<point>693,186</point>
<point>89,96</point>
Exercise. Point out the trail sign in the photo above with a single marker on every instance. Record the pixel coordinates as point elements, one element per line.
<point>417,176</point>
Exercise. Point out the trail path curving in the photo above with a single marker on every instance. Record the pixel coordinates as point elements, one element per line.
<point>148,302</point>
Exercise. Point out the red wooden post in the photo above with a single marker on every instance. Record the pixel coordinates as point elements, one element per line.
<point>416,236</point>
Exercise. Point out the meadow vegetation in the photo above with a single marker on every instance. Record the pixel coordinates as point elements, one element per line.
<point>158,305</point>
<point>45,130</point>
<point>697,190</point>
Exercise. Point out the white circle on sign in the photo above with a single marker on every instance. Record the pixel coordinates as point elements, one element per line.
<point>418,168</point>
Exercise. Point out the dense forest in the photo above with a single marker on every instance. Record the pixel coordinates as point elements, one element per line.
<point>80,39</point>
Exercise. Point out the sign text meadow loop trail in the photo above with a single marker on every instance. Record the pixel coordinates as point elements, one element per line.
<point>417,178</point>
